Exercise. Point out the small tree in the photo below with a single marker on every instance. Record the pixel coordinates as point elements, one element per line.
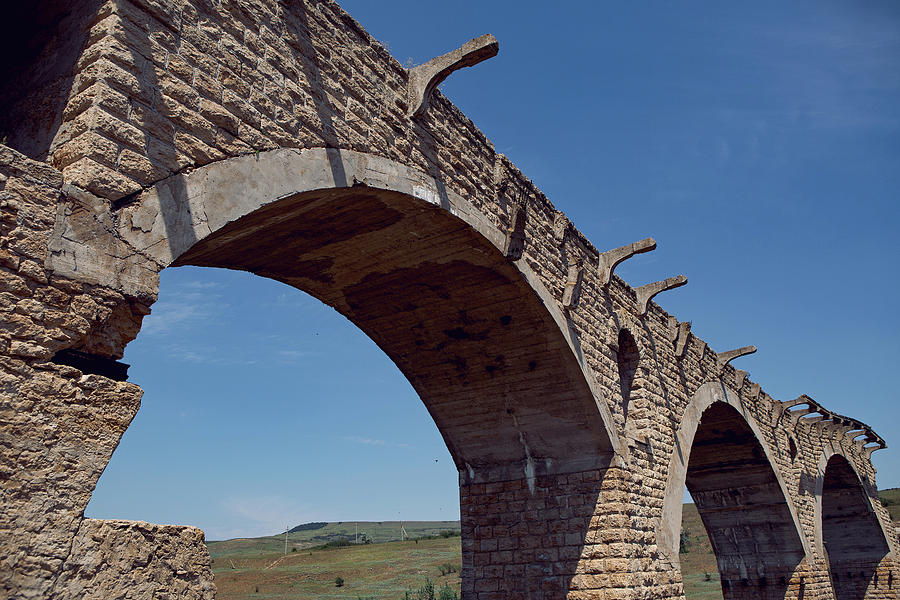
<point>338,581</point>
<point>426,592</point>
<point>684,542</point>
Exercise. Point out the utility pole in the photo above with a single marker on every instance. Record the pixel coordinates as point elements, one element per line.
<point>357,532</point>
<point>287,527</point>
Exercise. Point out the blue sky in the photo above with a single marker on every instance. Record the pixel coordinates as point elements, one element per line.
<point>758,143</point>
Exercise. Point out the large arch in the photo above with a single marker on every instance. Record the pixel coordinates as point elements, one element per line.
<point>849,531</point>
<point>421,271</point>
<point>726,465</point>
<point>415,266</point>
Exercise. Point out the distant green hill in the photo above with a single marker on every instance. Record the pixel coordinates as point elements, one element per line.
<point>310,535</point>
<point>309,526</point>
<point>891,500</point>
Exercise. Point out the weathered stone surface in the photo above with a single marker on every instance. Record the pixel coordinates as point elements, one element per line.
<point>275,137</point>
<point>150,561</point>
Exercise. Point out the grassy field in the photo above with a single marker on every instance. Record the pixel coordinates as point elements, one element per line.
<point>257,569</point>
<point>698,561</point>
<point>891,499</point>
<point>383,571</point>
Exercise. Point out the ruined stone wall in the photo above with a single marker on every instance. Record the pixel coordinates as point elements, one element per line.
<point>150,561</point>
<point>59,426</point>
<point>166,86</point>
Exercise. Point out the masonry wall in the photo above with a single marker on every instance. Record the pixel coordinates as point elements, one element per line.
<point>59,425</point>
<point>150,561</point>
<point>161,87</point>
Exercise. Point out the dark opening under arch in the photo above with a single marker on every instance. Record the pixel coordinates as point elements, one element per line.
<point>853,539</point>
<point>743,508</point>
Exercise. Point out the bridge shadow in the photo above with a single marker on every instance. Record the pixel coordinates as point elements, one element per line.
<point>41,44</point>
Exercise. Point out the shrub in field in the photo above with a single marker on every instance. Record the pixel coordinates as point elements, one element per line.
<point>426,592</point>
<point>447,593</point>
<point>684,542</point>
<point>338,581</point>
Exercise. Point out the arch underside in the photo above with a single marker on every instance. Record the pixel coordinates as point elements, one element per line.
<point>457,318</point>
<point>743,508</point>
<point>851,533</point>
<point>413,265</point>
<point>723,459</point>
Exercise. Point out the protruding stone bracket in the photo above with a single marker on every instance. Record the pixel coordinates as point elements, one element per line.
<point>854,430</point>
<point>425,78</point>
<point>514,245</point>
<point>672,328</point>
<point>791,408</point>
<point>611,258</point>
<point>802,399</point>
<point>819,414</point>
<point>819,418</point>
<point>755,391</point>
<point>645,293</point>
<point>560,227</point>
<point>573,286</point>
<point>684,334</point>
<point>726,357</point>
<point>871,443</point>
<point>739,378</point>
<point>855,434</point>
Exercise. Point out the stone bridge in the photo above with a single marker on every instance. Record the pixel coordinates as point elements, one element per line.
<point>280,138</point>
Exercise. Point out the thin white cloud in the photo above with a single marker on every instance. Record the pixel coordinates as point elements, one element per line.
<point>259,515</point>
<point>373,441</point>
<point>202,285</point>
<point>207,356</point>
<point>293,355</point>
<point>169,316</point>
<point>292,299</point>
<point>183,308</point>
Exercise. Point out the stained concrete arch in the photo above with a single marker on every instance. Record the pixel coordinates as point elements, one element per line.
<point>308,217</point>
<point>766,543</point>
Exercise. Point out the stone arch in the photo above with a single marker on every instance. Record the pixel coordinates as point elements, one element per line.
<point>287,205</point>
<point>742,498</point>
<point>420,271</point>
<point>849,531</point>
